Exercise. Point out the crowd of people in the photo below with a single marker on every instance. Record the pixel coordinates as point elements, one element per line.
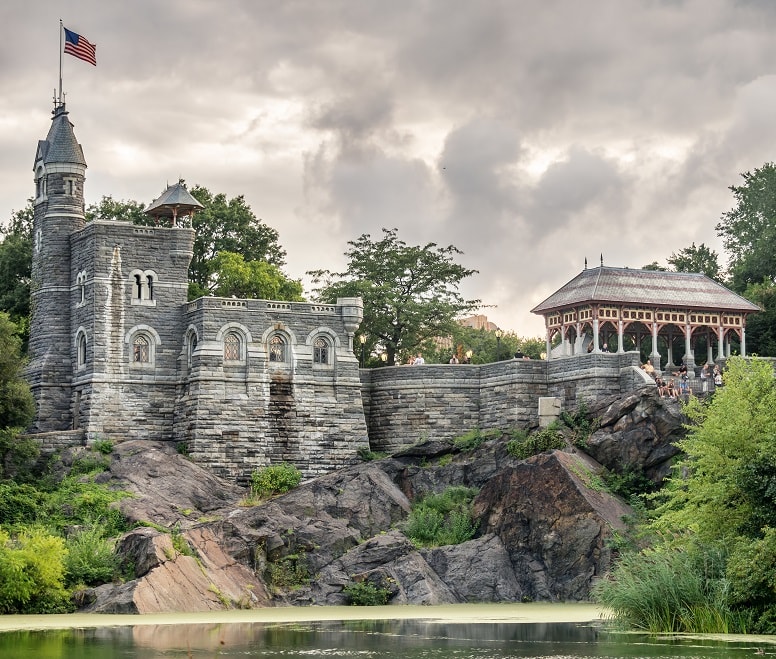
<point>679,385</point>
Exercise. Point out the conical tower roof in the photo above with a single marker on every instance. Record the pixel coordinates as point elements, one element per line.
<point>60,144</point>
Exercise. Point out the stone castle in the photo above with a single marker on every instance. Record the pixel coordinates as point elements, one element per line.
<point>117,352</point>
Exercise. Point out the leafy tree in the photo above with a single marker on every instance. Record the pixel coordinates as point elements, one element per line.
<point>761,327</point>
<point>697,259</point>
<point>16,269</point>
<point>484,346</point>
<point>125,210</point>
<point>736,429</point>
<point>654,266</point>
<point>748,230</point>
<point>228,225</point>
<point>234,276</point>
<point>16,403</point>
<point>410,292</point>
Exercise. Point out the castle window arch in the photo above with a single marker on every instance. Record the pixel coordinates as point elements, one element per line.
<point>80,348</point>
<point>234,338</point>
<point>191,341</point>
<point>40,184</point>
<point>321,351</point>
<point>143,342</point>
<point>80,282</point>
<point>323,342</point>
<point>233,347</point>
<point>142,283</point>
<point>277,348</point>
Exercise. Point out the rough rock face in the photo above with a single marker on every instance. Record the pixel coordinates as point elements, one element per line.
<point>544,524</point>
<point>637,431</point>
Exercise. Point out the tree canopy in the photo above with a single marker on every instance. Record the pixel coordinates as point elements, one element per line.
<point>701,259</point>
<point>748,230</point>
<point>410,292</point>
<point>236,277</point>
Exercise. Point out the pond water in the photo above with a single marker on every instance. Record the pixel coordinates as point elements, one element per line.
<point>366,639</point>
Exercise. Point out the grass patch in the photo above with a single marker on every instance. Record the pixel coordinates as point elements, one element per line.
<point>524,445</point>
<point>474,438</point>
<point>289,573</point>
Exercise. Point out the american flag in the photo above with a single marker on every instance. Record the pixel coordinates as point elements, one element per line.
<point>79,47</point>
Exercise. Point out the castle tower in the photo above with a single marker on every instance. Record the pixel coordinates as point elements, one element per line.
<point>60,172</point>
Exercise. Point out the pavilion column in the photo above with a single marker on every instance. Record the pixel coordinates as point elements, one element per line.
<point>620,337</point>
<point>564,339</point>
<point>578,342</point>
<point>655,354</point>
<point>743,341</point>
<point>721,346</point>
<point>709,348</point>
<point>689,357</point>
<point>670,356</point>
<point>548,345</point>
<point>595,334</point>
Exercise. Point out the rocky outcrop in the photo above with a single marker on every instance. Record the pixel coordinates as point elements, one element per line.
<point>637,432</point>
<point>544,523</point>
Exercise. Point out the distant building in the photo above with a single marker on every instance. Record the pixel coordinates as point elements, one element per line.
<point>478,322</point>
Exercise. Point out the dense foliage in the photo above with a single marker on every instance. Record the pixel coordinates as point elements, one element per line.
<point>275,479</point>
<point>713,529</point>
<point>442,519</point>
<point>410,292</point>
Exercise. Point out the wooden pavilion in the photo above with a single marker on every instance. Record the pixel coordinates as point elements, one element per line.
<point>673,313</point>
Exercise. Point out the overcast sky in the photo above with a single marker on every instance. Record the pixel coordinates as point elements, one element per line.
<point>530,134</point>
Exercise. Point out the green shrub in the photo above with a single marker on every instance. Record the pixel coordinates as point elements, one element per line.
<point>91,557</point>
<point>104,446</point>
<point>78,502</point>
<point>474,438</point>
<point>442,519</point>
<point>363,593</point>
<point>367,455</point>
<point>581,422</point>
<point>546,439</point>
<point>289,572</point>
<point>629,484</point>
<point>275,479</point>
<point>19,503</point>
<point>32,573</point>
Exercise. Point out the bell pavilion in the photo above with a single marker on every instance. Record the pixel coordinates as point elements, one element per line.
<point>673,317</point>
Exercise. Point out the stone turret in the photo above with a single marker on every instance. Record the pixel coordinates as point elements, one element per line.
<point>60,172</point>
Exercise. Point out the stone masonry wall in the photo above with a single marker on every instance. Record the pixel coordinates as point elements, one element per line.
<point>405,403</point>
<point>237,416</point>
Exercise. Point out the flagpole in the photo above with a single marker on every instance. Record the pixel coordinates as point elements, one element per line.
<point>61,28</point>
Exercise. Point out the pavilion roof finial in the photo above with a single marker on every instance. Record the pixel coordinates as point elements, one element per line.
<point>585,263</point>
<point>602,259</point>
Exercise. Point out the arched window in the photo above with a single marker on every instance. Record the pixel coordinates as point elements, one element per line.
<point>143,284</point>
<point>277,349</point>
<point>81,357</point>
<point>141,349</point>
<point>233,347</point>
<point>321,351</point>
<point>80,281</point>
<point>138,288</point>
<point>150,282</point>
<point>192,346</point>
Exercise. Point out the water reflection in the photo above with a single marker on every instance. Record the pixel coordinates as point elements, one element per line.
<point>364,639</point>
